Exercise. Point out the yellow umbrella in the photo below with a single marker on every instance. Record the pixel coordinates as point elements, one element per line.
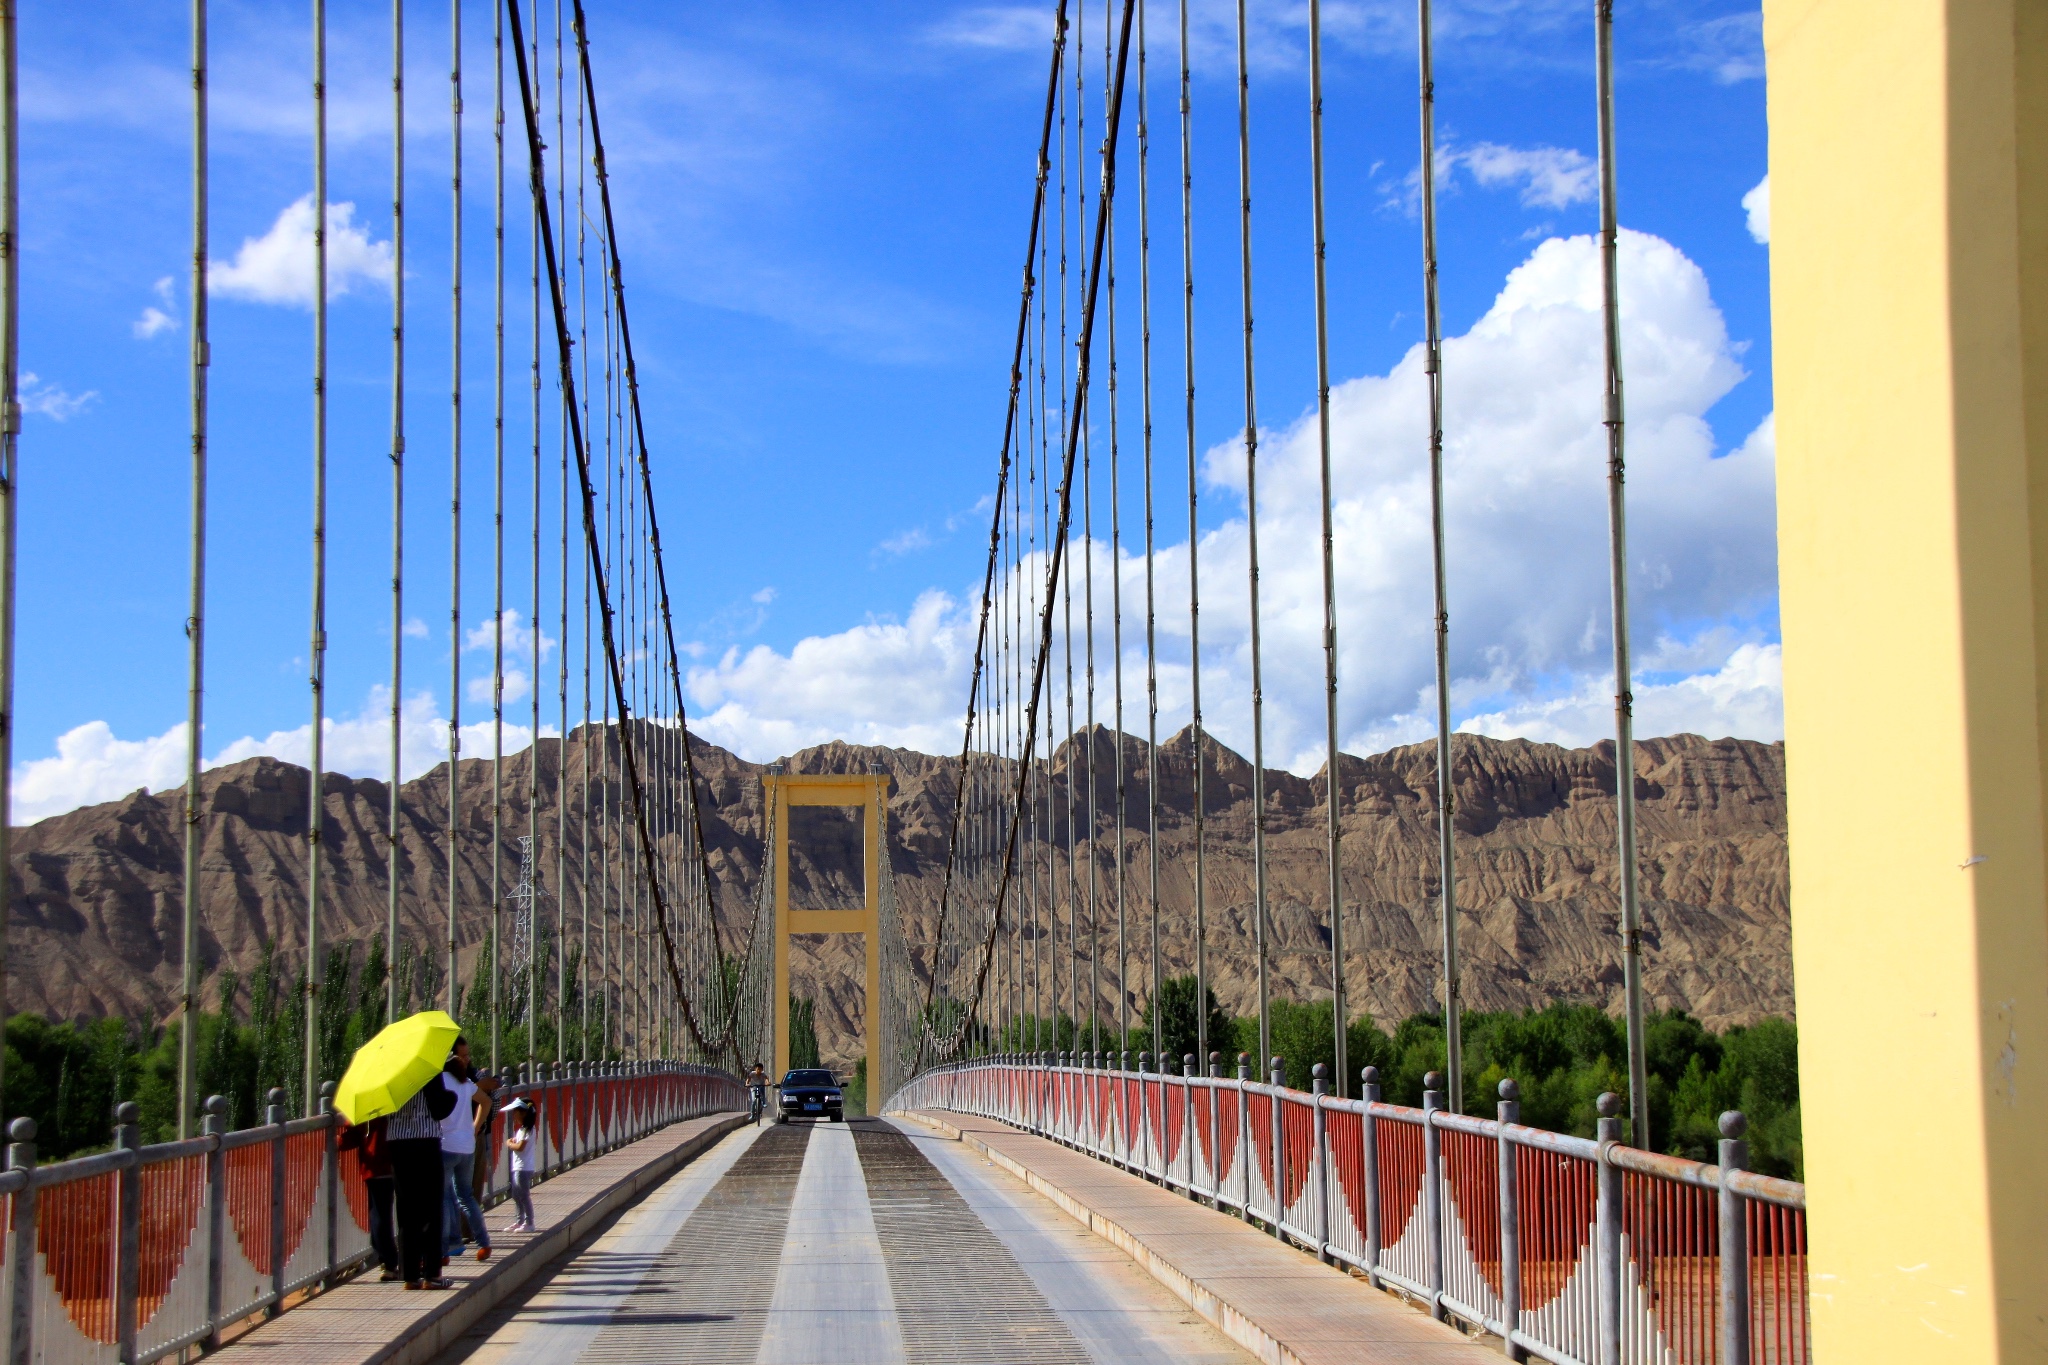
<point>394,1066</point>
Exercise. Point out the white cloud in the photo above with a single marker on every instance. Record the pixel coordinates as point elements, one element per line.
<point>763,596</point>
<point>1757,204</point>
<point>1744,697</point>
<point>278,266</point>
<point>904,542</point>
<point>885,682</point>
<point>155,319</point>
<point>1525,492</point>
<point>416,629</point>
<point>1730,48</point>
<point>92,765</point>
<point>1002,27</point>
<point>52,401</point>
<point>1550,177</point>
<point>518,637</point>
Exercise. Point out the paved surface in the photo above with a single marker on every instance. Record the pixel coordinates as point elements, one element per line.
<point>866,1243</point>
<point>365,1322</point>
<point>1276,1301</point>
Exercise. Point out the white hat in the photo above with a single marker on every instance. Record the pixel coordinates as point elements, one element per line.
<point>519,1103</point>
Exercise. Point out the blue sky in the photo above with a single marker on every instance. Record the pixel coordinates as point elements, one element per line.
<point>821,213</point>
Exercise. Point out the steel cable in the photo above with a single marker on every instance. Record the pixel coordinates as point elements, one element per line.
<point>1446,791</point>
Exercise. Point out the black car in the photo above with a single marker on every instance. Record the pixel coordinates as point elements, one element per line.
<point>811,1094</point>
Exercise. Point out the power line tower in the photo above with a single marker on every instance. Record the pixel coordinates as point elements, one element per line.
<point>525,898</point>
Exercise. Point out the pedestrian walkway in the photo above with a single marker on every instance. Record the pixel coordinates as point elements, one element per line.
<point>366,1322</point>
<point>1279,1303</point>
<point>853,1244</point>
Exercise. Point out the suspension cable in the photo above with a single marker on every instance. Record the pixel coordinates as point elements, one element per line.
<point>1446,789</point>
<point>1333,783</point>
<point>625,332</point>
<point>629,761</point>
<point>397,488</point>
<point>455,641</point>
<point>1028,291</point>
<point>316,805</point>
<point>1187,313</point>
<point>195,622</point>
<point>1251,503</point>
<point>1057,537</point>
<point>1151,636</point>
<point>498,553</point>
<point>1116,597</point>
<point>562,628</point>
<point>583,348</point>
<point>529,863</point>
<point>1617,523</point>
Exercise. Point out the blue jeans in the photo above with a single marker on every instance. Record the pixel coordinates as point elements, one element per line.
<point>458,1201</point>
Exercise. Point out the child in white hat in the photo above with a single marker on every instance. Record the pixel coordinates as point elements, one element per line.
<point>519,1138</point>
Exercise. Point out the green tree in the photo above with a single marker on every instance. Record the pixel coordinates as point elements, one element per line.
<point>803,1032</point>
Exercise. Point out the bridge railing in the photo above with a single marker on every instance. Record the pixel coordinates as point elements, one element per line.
<point>138,1253</point>
<point>1573,1250</point>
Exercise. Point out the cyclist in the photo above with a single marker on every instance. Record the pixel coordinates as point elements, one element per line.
<point>757,1092</point>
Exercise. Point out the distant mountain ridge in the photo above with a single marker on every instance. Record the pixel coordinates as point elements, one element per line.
<point>94,895</point>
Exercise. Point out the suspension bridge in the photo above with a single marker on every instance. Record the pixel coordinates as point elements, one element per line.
<point>1023,1185</point>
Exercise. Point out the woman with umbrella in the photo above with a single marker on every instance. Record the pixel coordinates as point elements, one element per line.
<point>398,1074</point>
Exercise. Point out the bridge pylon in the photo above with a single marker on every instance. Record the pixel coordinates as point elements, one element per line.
<point>869,793</point>
<point>1909,297</point>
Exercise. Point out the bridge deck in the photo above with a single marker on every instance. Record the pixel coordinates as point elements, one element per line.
<point>1275,1299</point>
<point>844,1245</point>
<point>365,1322</point>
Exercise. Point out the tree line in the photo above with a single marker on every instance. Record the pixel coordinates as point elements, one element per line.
<point>69,1076</point>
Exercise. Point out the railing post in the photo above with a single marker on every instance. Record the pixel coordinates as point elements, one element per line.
<point>1369,1092</point>
<point>1510,1221</point>
<point>215,1126</point>
<point>21,1248</point>
<point>1319,1086</point>
<point>1244,1133</point>
<point>128,1221</point>
<point>1215,1131</point>
<point>1277,1076</point>
<point>1123,1104</point>
<point>331,1176</point>
<point>274,1116</point>
<point>1607,1222</point>
<point>1734,1243</point>
<point>1432,1190</point>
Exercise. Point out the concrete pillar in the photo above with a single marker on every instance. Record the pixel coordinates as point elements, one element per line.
<point>1909,258</point>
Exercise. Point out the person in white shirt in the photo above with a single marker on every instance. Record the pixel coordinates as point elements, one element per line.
<point>519,1145</point>
<point>458,1157</point>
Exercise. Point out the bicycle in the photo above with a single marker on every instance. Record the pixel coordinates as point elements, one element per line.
<point>757,1100</point>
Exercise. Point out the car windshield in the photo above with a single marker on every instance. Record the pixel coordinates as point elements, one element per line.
<point>808,1078</point>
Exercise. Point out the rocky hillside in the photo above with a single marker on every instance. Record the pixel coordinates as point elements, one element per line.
<point>94,895</point>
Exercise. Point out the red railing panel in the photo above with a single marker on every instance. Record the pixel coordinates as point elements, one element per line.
<point>1671,1291</point>
<point>77,1235</point>
<point>1780,1314</point>
<point>1401,1172</point>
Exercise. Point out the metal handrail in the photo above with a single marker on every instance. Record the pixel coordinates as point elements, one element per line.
<point>1580,1251</point>
<point>242,1254</point>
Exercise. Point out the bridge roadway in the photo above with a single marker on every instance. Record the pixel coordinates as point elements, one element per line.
<point>937,1238</point>
<point>865,1243</point>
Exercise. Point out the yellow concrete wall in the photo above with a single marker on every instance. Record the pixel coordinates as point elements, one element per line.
<point>1910,329</point>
